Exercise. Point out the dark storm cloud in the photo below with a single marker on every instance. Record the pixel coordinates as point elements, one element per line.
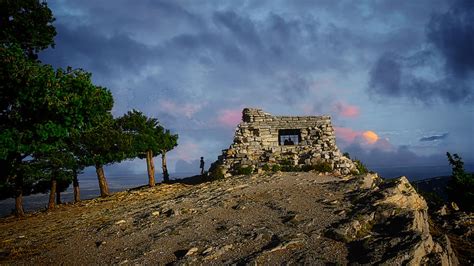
<point>386,75</point>
<point>451,40</point>
<point>452,34</point>
<point>242,28</point>
<point>435,137</point>
<point>83,47</point>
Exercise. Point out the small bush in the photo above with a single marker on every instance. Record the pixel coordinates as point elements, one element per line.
<point>461,185</point>
<point>276,168</point>
<point>286,162</point>
<point>244,170</point>
<point>266,167</point>
<point>323,167</point>
<point>361,167</point>
<point>290,168</point>
<point>307,168</point>
<point>217,173</point>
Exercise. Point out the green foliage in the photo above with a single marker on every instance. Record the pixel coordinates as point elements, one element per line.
<point>146,133</point>
<point>247,170</point>
<point>28,24</point>
<point>42,112</point>
<point>361,167</point>
<point>307,168</point>
<point>148,138</point>
<point>433,199</point>
<point>59,164</point>
<point>266,167</point>
<point>168,141</point>
<point>276,168</point>
<point>290,168</point>
<point>216,172</point>
<point>461,186</point>
<point>104,143</point>
<point>323,167</point>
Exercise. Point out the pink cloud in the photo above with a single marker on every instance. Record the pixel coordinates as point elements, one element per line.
<point>346,110</point>
<point>186,109</point>
<point>367,139</point>
<point>229,117</point>
<point>346,134</point>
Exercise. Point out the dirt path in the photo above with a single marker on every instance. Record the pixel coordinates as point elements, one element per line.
<point>273,218</point>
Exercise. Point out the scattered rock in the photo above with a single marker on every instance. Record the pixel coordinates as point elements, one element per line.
<point>454,206</point>
<point>100,243</point>
<point>219,252</point>
<point>192,251</point>
<point>289,245</point>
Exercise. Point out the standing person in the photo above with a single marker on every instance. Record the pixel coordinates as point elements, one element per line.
<point>201,165</point>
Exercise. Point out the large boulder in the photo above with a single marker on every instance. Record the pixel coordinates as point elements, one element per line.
<point>389,225</point>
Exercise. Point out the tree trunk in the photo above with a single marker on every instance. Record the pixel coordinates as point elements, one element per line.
<point>75,183</point>
<point>19,212</point>
<point>151,168</point>
<point>166,177</point>
<point>58,196</point>
<point>104,187</point>
<point>52,192</point>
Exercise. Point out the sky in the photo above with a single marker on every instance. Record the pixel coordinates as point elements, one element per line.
<point>397,77</point>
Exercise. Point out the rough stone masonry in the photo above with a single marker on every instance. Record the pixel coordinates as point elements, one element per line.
<point>262,139</point>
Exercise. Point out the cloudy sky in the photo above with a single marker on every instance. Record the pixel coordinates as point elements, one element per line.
<point>397,77</point>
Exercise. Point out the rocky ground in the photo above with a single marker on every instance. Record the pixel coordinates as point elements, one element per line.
<point>265,219</point>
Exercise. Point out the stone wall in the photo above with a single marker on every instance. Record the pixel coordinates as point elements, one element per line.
<point>257,143</point>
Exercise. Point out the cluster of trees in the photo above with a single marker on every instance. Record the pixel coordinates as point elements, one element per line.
<point>56,122</point>
<point>461,185</point>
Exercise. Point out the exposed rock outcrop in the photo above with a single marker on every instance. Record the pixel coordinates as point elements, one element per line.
<point>389,225</point>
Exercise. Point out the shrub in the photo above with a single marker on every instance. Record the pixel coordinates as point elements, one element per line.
<point>286,162</point>
<point>276,168</point>
<point>217,173</point>
<point>290,168</point>
<point>461,186</point>
<point>307,168</point>
<point>266,167</point>
<point>323,167</point>
<point>361,167</point>
<point>247,170</point>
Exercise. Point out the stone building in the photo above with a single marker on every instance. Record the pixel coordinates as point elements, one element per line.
<point>262,139</point>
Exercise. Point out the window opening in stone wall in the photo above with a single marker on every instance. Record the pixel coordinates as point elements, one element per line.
<point>289,136</point>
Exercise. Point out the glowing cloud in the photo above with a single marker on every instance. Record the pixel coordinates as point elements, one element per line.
<point>366,138</point>
<point>229,118</point>
<point>370,136</point>
<point>346,110</point>
<point>346,134</point>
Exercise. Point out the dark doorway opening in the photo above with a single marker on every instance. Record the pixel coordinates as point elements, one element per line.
<point>289,136</point>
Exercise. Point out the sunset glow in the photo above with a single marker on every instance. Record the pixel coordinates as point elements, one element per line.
<point>370,136</point>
